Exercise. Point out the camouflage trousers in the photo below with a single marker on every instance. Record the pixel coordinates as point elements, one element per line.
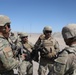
<point>43,70</point>
<point>27,68</point>
<point>44,66</point>
<point>8,73</point>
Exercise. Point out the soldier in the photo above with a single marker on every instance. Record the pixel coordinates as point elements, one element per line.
<point>48,48</point>
<point>14,40</point>
<point>26,48</point>
<point>65,64</point>
<point>7,61</point>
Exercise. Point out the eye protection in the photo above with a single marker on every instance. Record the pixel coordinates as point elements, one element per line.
<point>25,37</point>
<point>48,31</point>
<point>8,25</point>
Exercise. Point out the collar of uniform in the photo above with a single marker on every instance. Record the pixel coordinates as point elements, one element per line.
<point>50,38</point>
<point>1,36</point>
<point>73,45</point>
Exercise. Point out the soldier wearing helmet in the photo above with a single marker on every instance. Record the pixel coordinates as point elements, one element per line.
<point>47,28</point>
<point>7,61</point>
<point>65,63</point>
<point>26,48</point>
<point>5,24</point>
<point>48,48</point>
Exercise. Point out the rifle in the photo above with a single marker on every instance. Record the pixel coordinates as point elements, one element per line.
<point>28,54</point>
<point>43,51</point>
<point>35,55</point>
<point>19,53</point>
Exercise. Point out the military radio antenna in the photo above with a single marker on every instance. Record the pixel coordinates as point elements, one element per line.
<point>30,30</point>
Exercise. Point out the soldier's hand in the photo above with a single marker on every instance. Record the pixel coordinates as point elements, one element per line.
<point>51,55</point>
<point>23,56</point>
<point>41,36</point>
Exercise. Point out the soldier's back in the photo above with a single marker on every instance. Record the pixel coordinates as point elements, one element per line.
<point>65,64</point>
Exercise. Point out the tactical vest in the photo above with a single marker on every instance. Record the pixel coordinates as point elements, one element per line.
<point>49,44</point>
<point>28,46</point>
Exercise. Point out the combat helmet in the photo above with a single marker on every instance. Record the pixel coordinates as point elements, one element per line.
<point>69,31</point>
<point>47,28</point>
<point>23,35</point>
<point>4,19</point>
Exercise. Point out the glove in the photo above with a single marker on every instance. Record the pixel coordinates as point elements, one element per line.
<point>41,36</point>
<point>51,55</point>
<point>35,55</point>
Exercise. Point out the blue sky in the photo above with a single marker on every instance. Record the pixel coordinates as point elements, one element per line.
<point>33,15</point>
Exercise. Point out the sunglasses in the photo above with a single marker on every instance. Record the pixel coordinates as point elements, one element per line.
<point>8,25</point>
<point>48,31</point>
<point>25,37</point>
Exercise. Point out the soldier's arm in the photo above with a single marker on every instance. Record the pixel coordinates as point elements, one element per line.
<point>71,64</point>
<point>31,45</point>
<point>38,42</point>
<point>65,64</point>
<point>7,58</point>
<point>56,46</point>
<point>60,64</point>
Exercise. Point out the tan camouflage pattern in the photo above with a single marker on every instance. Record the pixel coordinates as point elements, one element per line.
<point>4,20</point>
<point>23,34</point>
<point>53,48</point>
<point>50,44</point>
<point>69,31</point>
<point>7,62</point>
<point>29,46</point>
<point>65,64</point>
<point>47,28</point>
<point>13,37</point>
<point>27,66</point>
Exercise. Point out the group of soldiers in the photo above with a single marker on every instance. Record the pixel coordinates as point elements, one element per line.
<point>18,53</point>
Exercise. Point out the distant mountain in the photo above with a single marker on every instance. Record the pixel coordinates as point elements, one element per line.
<point>57,34</point>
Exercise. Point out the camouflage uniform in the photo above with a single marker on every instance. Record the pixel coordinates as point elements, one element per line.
<point>47,57</point>
<point>13,40</point>
<point>65,64</point>
<point>26,48</point>
<point>7,61</point>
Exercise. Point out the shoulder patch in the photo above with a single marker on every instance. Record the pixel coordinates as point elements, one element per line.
<point>8,52</point>
<point>7,49</point>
